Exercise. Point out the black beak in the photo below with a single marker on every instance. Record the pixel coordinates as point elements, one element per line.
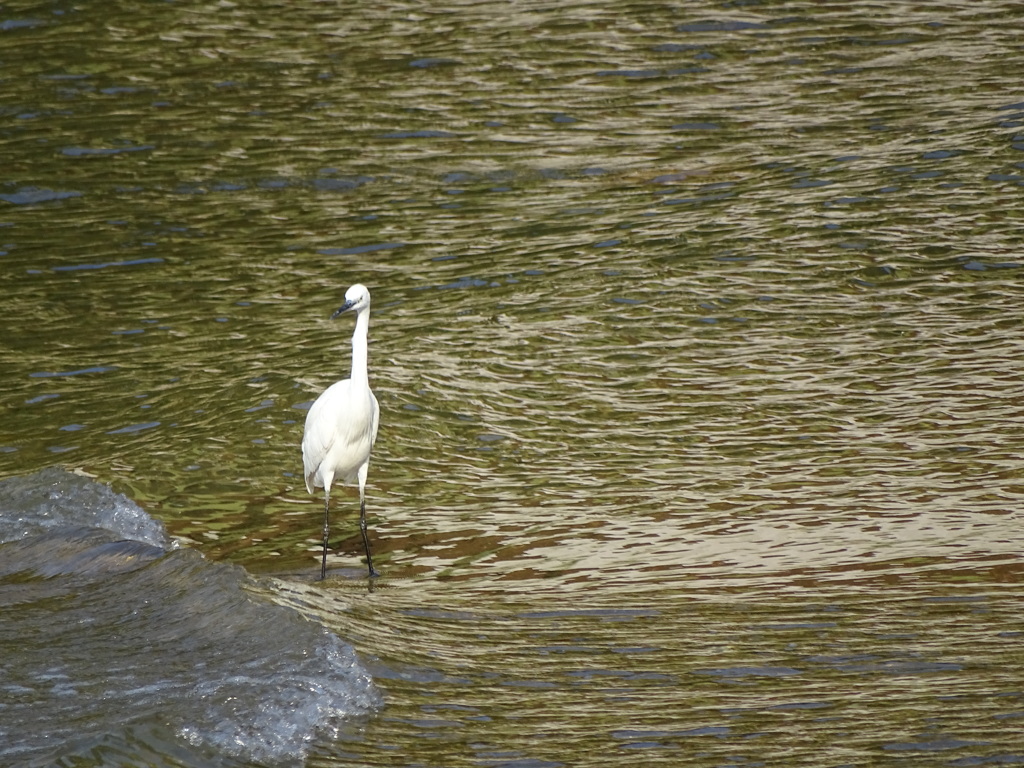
<point>343,308</point>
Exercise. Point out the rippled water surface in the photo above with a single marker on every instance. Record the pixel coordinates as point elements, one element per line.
<point>697,337</point>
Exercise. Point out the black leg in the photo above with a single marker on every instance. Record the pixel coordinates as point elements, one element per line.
<point>327,530</point>
<point>366,539</point>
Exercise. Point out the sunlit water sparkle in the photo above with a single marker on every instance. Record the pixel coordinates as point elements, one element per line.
<point>696,338</point>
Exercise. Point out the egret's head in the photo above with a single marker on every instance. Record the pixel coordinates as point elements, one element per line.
<point>357,297</point>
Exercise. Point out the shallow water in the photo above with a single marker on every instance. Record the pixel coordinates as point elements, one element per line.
<point>122,648</point>
<point>695,333</point>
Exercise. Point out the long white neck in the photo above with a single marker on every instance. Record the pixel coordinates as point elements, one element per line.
<point>360,371</point>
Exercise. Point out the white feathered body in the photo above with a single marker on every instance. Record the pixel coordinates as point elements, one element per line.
<point>341,427</point>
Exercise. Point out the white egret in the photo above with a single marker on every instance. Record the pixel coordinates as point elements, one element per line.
<point>341,426</point>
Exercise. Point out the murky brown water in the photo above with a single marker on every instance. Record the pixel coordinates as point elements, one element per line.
<point>696,334</point>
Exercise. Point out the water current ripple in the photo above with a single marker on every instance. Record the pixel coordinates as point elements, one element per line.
<point>124,642</point>
<point>697,342</point>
